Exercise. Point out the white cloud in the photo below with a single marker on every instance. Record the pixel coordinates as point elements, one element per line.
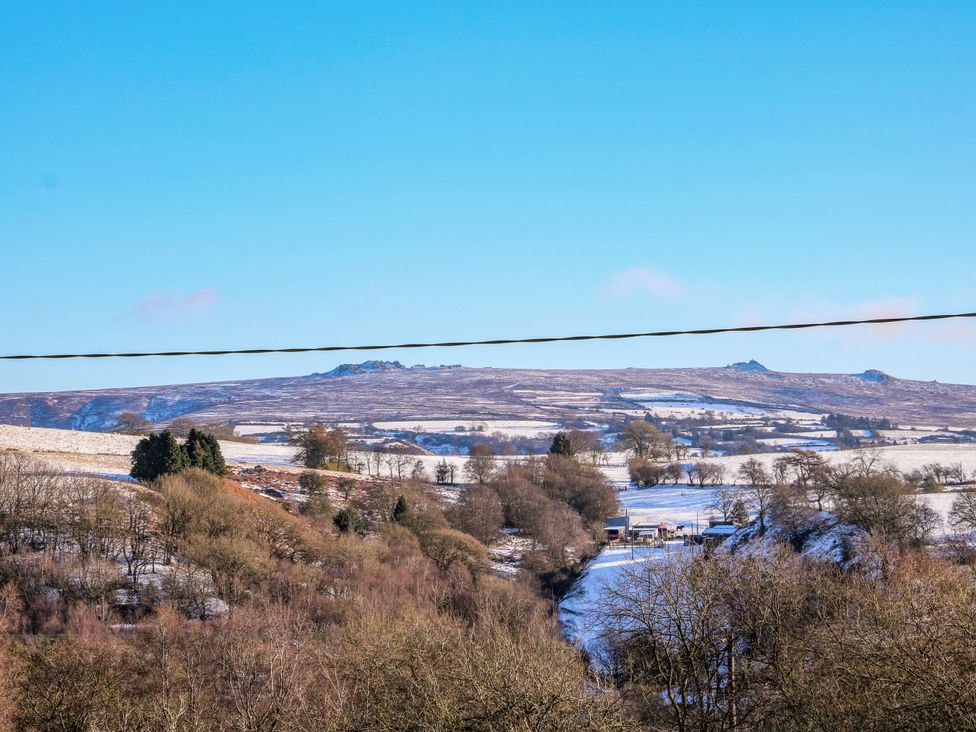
<point>950,331</point>
<point>954,331</point>
<point>893,307</point>
<point>641,281</point>
<point>160,307</point>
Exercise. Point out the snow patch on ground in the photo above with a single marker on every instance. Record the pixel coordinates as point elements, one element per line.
<point>509,428</point>
<point>679,504</point>
<point>824,538</point>
<point>577,614</point>
<point>109,454</point>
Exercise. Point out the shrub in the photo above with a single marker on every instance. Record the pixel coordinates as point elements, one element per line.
<point>317,507</point>
<point>349,521</point>
<point>158,455</point>
<point>645,473</point>
<point>312,483</point>
<point>203,451</point>
<point>446,546</point>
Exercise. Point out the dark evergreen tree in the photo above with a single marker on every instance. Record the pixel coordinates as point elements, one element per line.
<point>348,521</point>
<point>443,473</point>
<point>561,445</point>
<point>401,509</point>
<point>203,451</point>
<point>158,455</point>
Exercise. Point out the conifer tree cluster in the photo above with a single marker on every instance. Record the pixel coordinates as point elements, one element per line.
<point>561,445</point>
<point>160,454</point>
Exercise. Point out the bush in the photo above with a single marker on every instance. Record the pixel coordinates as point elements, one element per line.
<point>401,510</point>
<point>931,485</point>
<point>349,521</point>
<point>203,451</point>
<point>644,473</point>
<point>158,455</point>
<point>317,507</point>
<point>312,483</point>
<point>446,546</point>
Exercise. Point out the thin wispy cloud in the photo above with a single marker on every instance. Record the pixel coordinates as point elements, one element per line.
<point>950,331</point>
<point>892,307</point>
<point>954,331</point>
<point>160,307</point>
<point>895,307</point>
<point>639,282</point>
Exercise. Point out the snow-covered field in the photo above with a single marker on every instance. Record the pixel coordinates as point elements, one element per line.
<point>682,405</point>
<point>680,504</point>
<point>260,429</point>
<point>77,450</point>
<point>430,463</point>
<point>940,503</point>
<point>684,504</point>
<point>904,457</point>
<point>799,442</point>
<point>577,610</point>
<point>913,435</point>
<point>509,428</point>
<point>109,454</point>
<point>828,434</point>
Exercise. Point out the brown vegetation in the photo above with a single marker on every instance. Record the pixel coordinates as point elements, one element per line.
<point>786,643</point>
<point>195,604</point>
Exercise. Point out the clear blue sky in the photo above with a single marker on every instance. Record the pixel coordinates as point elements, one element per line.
<point>208,175</point>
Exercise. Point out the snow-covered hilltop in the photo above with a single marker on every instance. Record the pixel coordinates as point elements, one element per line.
<point>385,390</point>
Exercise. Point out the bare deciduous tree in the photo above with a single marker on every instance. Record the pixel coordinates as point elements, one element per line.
<point>705,473</point>
<point>479,513</point>
<point>644,441</point>
<point>480,464</point>
<point>759,487</point>
<point>962,515</point>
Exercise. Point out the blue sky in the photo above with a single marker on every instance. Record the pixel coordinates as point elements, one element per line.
<point>240,175</point>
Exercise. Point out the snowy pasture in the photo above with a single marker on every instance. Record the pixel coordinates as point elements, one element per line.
<point>109,454</point>
<point>683,405</point>
<point>905,458</point>
<point>508,428</point>
<point>669,504</point>
<point>578,610</point>
<point>798,443</point>
<point>246,430</point>
<point>941,503</point>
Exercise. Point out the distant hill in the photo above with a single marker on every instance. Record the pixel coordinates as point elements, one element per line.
<point>389,390</point>
<point>349,369</point>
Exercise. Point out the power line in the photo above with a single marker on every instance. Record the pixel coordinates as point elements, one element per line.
<point>498,341</point>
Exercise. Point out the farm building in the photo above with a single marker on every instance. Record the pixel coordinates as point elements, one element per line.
<point>717,533</point>
<point>640,528</point>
